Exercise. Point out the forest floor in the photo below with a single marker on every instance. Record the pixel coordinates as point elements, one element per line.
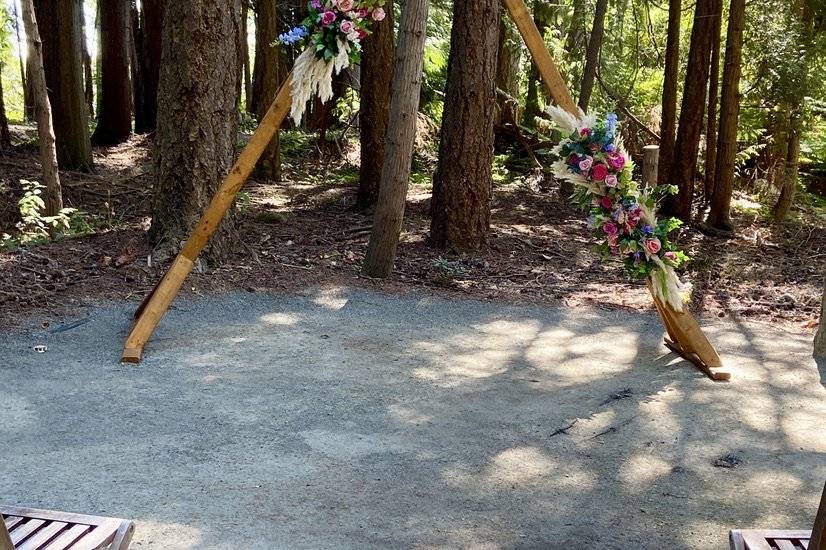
<point>304,231</point>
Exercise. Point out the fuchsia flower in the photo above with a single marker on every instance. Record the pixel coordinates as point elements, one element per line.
<point>606,203</point>
<point>345,5</point>
<point>653,245</point>
<point>585,132</point>
<point>378,14</point>
<point>316,4</point>
<point>363,12</point>
<point>361,34</point>
<point>610,228</point>
<point>672,256</point>
<point>616,161</point>
<point>346,26</point>
<point>585,164</point>
<point>573,159</point>
<point>328,18</point>
<point>611,180</point>
<point>599,171</point>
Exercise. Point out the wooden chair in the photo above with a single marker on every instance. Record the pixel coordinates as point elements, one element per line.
<point>31,529</point>
<point>757,539</point>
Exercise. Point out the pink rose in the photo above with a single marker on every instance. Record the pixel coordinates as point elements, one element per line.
<point>378,14</point>
<point>346,26</point>
<point>363,12</point>
<point>328,18</point>
<point>611,180</point>
<point>653,245</point>
<point>610,228</point>
<point>585,164</point>
<point>671,256</point>
<point>616,160</point>
<point>345,5</point>
<point>613,241</point>
<point>606,203</point>
<point>599,171</point>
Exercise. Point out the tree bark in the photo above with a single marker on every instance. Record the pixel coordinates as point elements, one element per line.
<point>115,116</point>
<point>711,111</point>
<point>245,56</point>
<point>668,125</point>
<point>53,198</point>
<point>60,31</point>
<point>152,24</point>
<point>592,55</point>
<point>719,216</point>
<point>374,115</point>
<point>266,80</point>
<point>508,58</point>
<point>404,108</point>
<point>197,117</point>
<point>88,80</point>
<point>462,185</point>
<point>5,136</point>
<point>820,337</point>
<point>687,143</point>
<point>790,172</point>
<point>28,110</point>
<point>532,106</point>
<point>136,65</point>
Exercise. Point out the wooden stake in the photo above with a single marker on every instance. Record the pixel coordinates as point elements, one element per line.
<point>818,541</point>
<point>544,62</point>
<point>154,307</point>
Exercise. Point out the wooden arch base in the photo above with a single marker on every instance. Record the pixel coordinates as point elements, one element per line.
<point>684,335</point>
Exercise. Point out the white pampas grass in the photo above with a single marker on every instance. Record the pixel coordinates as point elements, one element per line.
<point>313,76</point>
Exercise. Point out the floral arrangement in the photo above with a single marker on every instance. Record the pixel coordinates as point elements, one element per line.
<point>622,215</point>
<point>333,30</point>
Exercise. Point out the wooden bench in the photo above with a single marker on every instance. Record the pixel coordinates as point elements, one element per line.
<point>32,529</point>
<point>756,539</point>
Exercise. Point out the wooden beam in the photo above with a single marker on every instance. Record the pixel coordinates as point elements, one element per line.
<point>153,309</point>
<point>544,62</point>
<point>818,541</point>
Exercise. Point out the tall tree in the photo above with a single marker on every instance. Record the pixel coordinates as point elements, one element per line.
<point>136,66</point>
<point>376,81</point>
<point>197,117</point>
<point>820,337</point>
<point>245,56</point>
<point>711,111</point>
<point>687,143</point>
<point>267,79</point>
<point>668,124</point>
<point>27,101</point>
<point>53,199</point>
<point>152,24</point>
<point>589,74</point>
<point>398,155</point>
<point>88,80</point>
<point>541,15</point>
<point>5,136</point>
<point>60,31</point>
<point>462,185</point>
<point>508,61</point>
<point>719,215</point>
<point>115,116</point>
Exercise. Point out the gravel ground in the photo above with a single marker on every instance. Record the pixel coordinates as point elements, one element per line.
<point>342,418</point>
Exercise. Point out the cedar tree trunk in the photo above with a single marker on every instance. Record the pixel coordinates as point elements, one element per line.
<point>711,111</point>
<point>266,80</point>
<point>152,25</point>
<point>115,115</point>
<point>589,74</point>
<point>668,124</point>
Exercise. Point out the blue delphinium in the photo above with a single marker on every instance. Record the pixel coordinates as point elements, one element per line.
<point>293,35</point>
<point>611,126</point>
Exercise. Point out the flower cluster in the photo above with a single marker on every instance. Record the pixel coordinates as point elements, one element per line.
<point>620,214</point>
<point>332,23</point>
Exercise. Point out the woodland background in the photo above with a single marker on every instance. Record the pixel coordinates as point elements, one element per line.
<point>152,100</point>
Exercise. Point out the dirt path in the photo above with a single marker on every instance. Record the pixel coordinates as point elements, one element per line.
<point>343,418</point>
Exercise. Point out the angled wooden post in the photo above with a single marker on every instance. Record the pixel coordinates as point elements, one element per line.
<point>684,334</point>
<point>155,305</point>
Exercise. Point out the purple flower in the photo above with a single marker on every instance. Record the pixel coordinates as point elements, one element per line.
<point>647,229</point>
<point>328,18</point>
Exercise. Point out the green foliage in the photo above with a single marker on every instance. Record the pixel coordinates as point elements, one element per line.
<point>36,228</point>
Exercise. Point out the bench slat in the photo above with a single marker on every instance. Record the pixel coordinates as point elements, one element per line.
<point>52,515</point>
<point>25,529</point>
<point>68,538</point>
<point>100,536</point>
<point>785,544</point>
<point>43,536</point>
<point>12,521</point>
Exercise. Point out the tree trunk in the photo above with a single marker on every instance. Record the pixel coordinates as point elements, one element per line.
<point>5,136</point>
<point>197,117</point>
<point>245,56</point>
<point>719,215</point>
<point>374,115</point>
<point>266,80</point>
<point>152,35</point>
<point>820,337</point>
<point>60,30</point>
<point>790,172</point>
<point>462,185</point>
<point>592,55</point>
<point>687,143</point>
<point>28,110</point>
<point>88,79</point>
<point>668,124</point>
<point>53,198</point>
<point>136,64</point>
<point>404,108</point>
<point>115,116</point>
<point>508,58</point>
<point>711,111</point>
<point>576,40</point>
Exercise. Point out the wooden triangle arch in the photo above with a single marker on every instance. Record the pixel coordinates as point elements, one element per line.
<point>684,334</point>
